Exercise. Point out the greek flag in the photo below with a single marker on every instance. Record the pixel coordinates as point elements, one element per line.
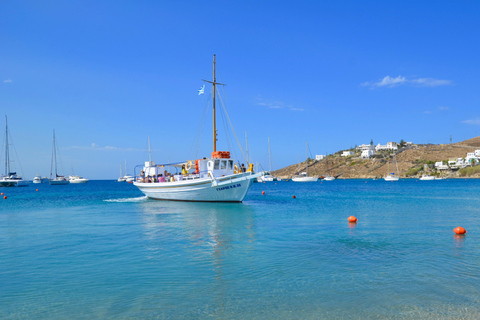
<point>201,90</point>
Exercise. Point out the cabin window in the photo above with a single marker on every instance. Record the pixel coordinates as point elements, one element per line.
<point>230,164</point>
<point>223,165</point>
<point>215,167</point>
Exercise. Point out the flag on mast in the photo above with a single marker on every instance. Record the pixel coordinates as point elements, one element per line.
<point>201,90</point>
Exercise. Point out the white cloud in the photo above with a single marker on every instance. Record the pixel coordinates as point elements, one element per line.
<point>475,122</point>
<point>297,109</point>
<point>7,81</point>
<point>391,82</point>
<point>442,108</point>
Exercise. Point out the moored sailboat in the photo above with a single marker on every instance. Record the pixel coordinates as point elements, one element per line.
<point>57,179</point>
<point>9,178</point>
<point>303,176</point>
<point>215,179</point>
<point>391,175</point>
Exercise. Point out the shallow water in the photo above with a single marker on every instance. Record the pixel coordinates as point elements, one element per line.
<point>102,250</point>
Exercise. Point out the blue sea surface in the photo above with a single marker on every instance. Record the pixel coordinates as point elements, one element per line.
<point>103,251</point>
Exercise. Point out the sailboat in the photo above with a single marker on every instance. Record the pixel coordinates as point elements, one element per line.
<point>391,175</point>
<point>328,177</point>
<point>303,176</point>
<point>121,178</point>
<point>269,177</point>
<point>57,179</point>
<point>9,178</point>
<point>215,179</point>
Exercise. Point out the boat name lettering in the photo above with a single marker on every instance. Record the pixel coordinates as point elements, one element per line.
<point>229,187</point>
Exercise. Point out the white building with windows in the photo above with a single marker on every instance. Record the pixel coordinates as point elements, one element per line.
<point>366,154</point>
<point>471,158</point>
<point>347,153</point>
<point>440,166</point>
<point>388,146</point>
<point>319,157</point>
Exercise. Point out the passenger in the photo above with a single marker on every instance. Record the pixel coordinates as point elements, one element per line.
<point>184,170</point>
<point>243,168</point>
<point>172,178</point>
<point>161,178</point>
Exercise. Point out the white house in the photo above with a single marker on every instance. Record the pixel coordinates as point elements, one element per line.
<point>440,166</point>
<point>347,153</point>
<point>364,147</point>
<point>368,153</point>
<point>320,157</point>
<point>471,158</point>
<point>388,146</point>
<point>477,153</point>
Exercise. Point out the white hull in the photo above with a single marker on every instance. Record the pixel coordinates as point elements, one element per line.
<point>425,178</point>
<point>82,180</point>
<point>329,178</point>
<point>5,182</point>
<point>55,182</point>
<point>121,180</point>
<point>268,178</point>
<point>231,188</point>
<point>305,179</point>
<point>391,178</point>
<point>37,181</point>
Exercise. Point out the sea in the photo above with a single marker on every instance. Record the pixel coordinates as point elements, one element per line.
<point>102,250</point>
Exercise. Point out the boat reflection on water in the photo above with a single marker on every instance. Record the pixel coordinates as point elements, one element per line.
<point>206,231</point>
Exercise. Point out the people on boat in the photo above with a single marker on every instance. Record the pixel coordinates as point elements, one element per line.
<point>184,170</point>
<point>243,168</point>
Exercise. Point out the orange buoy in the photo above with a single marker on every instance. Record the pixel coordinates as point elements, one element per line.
<point>459,230</point>
<point>36,189</point>
<point>352,219</point>
<point>294,197</point>
<point>1,193</point>
<point>5,197</point>
<point>263,192</point>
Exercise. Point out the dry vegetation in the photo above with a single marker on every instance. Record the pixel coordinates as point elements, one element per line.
<point>410,162</point>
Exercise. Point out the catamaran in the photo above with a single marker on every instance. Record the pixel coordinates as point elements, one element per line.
<point>215,179</point>
<point>9,178</point>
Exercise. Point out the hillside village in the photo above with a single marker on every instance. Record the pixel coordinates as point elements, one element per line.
<point>453,160</point>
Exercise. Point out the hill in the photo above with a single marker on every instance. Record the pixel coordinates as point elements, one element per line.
<point>412,162</point>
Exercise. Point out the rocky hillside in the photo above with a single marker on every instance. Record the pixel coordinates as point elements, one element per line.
<point>412,162</point>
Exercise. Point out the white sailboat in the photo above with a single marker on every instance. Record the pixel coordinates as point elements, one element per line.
<point>57,179</point>
<point>9,178</point>
<point>38,179</point>
<point>427,177</point>
<point>303,176</point>
<point>391,175</point>
<point>215,179</point>
<point>269,177</point>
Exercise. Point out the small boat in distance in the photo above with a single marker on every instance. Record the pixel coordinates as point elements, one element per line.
<point>57,179</point>
<point>303,177</point>
<point>77,179</point>
<point>38,179</point>
<point>427,177</point>
<point>391,175</point>
<point>9,178</point>
<point>215,179</point>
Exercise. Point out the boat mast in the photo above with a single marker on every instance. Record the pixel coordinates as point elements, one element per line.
<point>214,94</point>
<point>306,160</point>
<point>7,155</point>
<point>149,149</point>
<point>269,157</point>
<point>214,83</point>
<point>55,153</point>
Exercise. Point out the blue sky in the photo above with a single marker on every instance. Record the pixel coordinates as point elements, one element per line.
<point>106,74</point>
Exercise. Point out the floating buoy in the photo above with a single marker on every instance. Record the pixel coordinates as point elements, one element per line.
<point>352,219</point>
<point>365,181</point>
<point>459,230</point>
<point>5,197</point>
<point>36,189</point>
<point>1,193</point>
<point>263,192</point>
<point>294,197</point>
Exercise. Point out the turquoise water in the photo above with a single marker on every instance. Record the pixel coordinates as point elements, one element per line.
<point>103,251</point>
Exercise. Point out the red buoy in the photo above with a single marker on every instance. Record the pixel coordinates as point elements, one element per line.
<point>459,230</point>
<point>5,197</point>
<point>263,192</point>
<point>352,219</point>
<point>36,189</point>
<point>294,197</point>
<point>1,193</point>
